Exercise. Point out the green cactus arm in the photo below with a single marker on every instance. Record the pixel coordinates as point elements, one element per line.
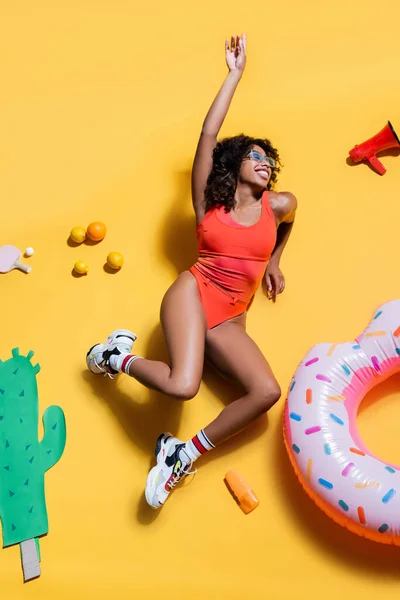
<point>53,442</point>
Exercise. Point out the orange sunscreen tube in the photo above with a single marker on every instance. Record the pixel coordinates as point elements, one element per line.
<point>243,493</point>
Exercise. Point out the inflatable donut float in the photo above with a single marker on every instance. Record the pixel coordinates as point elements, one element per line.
<point>347,481</point>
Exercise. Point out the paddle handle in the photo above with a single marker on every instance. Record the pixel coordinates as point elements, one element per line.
<point>22,267</point>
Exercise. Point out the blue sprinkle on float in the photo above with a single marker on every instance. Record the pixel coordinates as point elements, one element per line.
<point>388,496</point>
<point>336,419</point>
<point>326,484</point>
<point>346,369</point>
<point>390,470</point>
<point>327,449</point>
<point>295,416</point>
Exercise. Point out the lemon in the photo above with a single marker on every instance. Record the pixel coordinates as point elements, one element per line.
<point>81,267</point>
<point>115,260</point>
<point>78,234</point>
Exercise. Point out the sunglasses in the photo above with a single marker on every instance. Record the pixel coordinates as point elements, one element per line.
<point>256,155</point>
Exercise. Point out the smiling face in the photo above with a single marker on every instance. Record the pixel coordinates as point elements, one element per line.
<point>256,168</point>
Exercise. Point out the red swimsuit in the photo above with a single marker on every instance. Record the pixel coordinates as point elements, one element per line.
<point>232,261</point>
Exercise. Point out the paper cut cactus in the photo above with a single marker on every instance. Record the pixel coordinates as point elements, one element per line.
<point>23,458</point>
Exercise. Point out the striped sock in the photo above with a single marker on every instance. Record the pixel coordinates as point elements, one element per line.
<point>197,446</point>
<point>122,362</point>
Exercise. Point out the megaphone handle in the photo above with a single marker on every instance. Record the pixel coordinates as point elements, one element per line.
<point>377,165</point>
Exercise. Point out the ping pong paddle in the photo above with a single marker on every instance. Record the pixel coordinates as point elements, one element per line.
<point>9,260</point>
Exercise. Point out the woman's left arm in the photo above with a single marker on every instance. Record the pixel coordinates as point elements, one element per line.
<point>285,208</point>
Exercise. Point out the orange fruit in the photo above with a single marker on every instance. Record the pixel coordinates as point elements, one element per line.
<point>78,234</point>
<point>115,260</point>
<point>96,231</point>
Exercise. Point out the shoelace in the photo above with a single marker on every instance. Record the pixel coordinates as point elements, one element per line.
<point>106,373</point>
<point>180,475</point>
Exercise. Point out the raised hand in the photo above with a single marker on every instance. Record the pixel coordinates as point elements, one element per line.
<point>235,53</point>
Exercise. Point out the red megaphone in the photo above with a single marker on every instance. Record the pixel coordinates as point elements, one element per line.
<point>385,139</point>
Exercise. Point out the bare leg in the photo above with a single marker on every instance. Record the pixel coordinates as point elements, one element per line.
<point>184,325</point>
<point>236,356</point>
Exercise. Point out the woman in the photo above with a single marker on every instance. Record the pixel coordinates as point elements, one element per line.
<point>242,229</point>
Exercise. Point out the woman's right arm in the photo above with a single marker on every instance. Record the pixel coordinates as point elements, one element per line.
<point>202,165</point>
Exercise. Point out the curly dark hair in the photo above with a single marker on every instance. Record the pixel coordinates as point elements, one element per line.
<point>227,158</point>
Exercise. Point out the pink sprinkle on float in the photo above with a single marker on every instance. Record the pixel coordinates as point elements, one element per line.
<point>347,469</point>
<point>323,378</point>
<point>375,362</point>
<point>311,361</point>
<point>313,429</point>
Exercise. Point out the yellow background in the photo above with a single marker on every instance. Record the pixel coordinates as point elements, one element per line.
<point>100,110</point>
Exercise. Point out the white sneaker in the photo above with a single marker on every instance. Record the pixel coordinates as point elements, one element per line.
<point>98,357</point>
<point>169,470</point>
